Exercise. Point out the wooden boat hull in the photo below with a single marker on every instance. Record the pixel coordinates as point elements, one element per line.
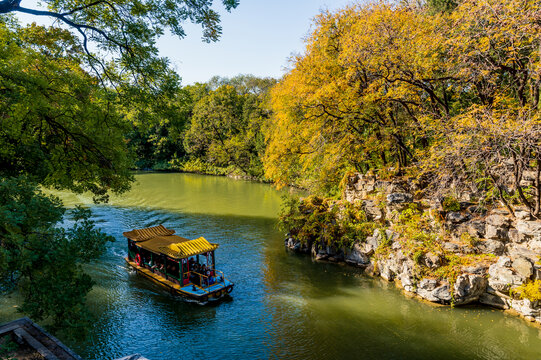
<point>212,293</point>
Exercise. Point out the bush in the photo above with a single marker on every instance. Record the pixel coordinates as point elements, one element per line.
<point>451,204</point>
<point>530,290</point>
<point>313,219</point>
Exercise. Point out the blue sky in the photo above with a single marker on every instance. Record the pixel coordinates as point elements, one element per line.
<point>258,38</point>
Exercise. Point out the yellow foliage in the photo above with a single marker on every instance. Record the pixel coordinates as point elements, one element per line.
<point>386,86</point>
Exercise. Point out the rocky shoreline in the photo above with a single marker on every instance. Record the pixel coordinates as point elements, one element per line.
<point>499,251</point>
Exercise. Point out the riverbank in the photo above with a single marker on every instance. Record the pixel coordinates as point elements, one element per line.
<point>445,251</point>
<point>201,168</point>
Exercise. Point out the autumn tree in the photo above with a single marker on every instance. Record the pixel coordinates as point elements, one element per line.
<point>359,96</point>
<point>453,93</point>
<point>492,146</point>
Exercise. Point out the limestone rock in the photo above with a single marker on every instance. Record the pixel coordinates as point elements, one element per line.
<point>535,245</point>
<point>504,261</point>
<point>356,257</point>
<point>456,217</point>
<point>385,271</point>
<point>474,228</point>
<point>399,198</point>
<point>516,250</point>
<point>432,260</point>
<point>523,214</point>
<point>493,300</point>
<point>491,247</point>
<point>514,236</point>
<point>373,242</point>
<point>477,210</point>
<point>406,276</point>
<point>468,288</point>
<point>295,245</point>
<point>523,267</point>
<point>525,307</point>
<point>430,290</point>
<point>372,210</point>
<point>498,220</point>
<point>427,284</point>
<point>502,278</point>
<point>528,229</point>
<point>536,272</point>
<point>359,187</point>
<point>497,227</point>
<point>476,269</point>
<point>452,247</point>
<point>321,255</point>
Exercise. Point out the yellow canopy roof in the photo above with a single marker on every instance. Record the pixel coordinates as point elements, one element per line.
<point>189,248</point>
<point>161,240</point>
<point>148,233</point>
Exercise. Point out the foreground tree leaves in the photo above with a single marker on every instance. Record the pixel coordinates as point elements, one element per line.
<point>44,262</point>
<point>58,126</point>
<point>123,33</point>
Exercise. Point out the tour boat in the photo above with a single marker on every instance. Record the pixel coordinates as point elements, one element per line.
<point>185,267</point>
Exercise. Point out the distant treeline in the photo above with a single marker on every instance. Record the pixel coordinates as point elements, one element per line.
<point>214,127</point>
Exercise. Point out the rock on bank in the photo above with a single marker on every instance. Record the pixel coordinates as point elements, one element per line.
<point>448,251</point>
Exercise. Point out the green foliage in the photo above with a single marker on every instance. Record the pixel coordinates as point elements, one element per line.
<point>418,233</point>
<point>314,220</point>
<point>472,241</point>
<point>226,129</point>
<point>211,128</point>
<point>54,114</point>
<point>385,244</point>
<point>198,166</point>
<point>450,203</point>
<point>7,346</point>
<point>43,261</point>
<point>157,133</point>
<point>119,37</point>
<point>530,290</point>
<point>442,5</point>
<point>65,116</point>
<point>418,256</point>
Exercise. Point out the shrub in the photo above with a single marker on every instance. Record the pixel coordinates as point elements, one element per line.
<point>530,290</point>
<point>451,204</point>
<point>467,238</point>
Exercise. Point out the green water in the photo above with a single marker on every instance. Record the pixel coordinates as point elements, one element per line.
<point>284,306</point>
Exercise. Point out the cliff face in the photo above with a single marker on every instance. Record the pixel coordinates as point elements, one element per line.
<point>455,254</point>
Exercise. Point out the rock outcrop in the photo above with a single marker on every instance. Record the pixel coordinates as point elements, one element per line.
<point>511,246</point>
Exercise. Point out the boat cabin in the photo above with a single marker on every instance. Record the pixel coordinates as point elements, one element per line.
<point>186,267</point>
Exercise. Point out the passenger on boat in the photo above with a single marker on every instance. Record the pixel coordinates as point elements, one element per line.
<point>192,264</point>
<point>194,279</point>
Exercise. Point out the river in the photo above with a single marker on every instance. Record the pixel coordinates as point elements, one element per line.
<point>284,306</point>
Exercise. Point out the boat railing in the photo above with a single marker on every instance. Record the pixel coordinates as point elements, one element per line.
<point>204,279</point>
<point>222,275</point>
